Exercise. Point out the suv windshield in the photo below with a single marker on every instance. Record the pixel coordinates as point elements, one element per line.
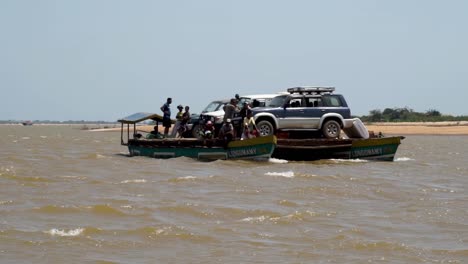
<point>256,100</point>
<point>213,106</point>
<point>278,101</point>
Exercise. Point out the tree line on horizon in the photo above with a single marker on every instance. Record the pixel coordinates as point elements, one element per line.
<point>405,114</point>
<point>397,114</point>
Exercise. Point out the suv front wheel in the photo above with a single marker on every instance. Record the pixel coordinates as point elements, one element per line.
<point>331,129</point>
<point>197,131</point>
<point>265,128</point>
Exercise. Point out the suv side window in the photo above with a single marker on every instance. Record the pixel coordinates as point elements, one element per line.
<point>295,102</point>
<point>332,101</point>
<point>313,101</point>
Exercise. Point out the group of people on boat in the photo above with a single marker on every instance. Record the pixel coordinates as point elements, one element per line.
<point>244,129</point>
<point>182,119</point>
<point>238,122</point>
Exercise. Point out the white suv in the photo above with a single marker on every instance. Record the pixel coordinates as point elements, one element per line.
<point>214,111</point>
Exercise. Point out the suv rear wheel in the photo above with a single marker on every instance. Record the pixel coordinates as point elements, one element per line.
<point>265,128</point>
<point>331,129</point>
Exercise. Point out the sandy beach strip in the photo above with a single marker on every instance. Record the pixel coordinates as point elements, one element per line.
<point>420,128</point>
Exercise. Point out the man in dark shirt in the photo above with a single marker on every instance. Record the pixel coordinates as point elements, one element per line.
<point>166,116</point>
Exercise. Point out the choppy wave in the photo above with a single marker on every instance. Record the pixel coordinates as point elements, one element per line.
<point>57,209</point>
<point>348,160</point>
<point>74,177</point>
<point>277,161</point>
<point>286,218</point>
<point>65,233</point>
<point>191,178</point>
<point>134,181</point>
<point>11,175</point>
<point>7,171</point>
<point>287,174</point>
<point>101,209</point>
<point>187,209</point>
<point>184,178</point>
<point>94,156</point>
<point>403,159</point>
<point>174,232</point>
<point>261,218</point>
<point>105,209</point>
<point>6,202</point>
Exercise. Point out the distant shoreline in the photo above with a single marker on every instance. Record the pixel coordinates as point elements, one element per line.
<point>406,128</point>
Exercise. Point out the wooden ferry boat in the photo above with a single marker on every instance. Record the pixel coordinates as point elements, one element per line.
<point>288,147</point>
<point>208,149</point>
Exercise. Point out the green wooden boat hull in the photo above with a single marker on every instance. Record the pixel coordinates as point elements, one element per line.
<point>375,148</point>
<point>383,149</point>
<point>256,148</point>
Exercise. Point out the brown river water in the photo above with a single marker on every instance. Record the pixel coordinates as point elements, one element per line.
<point>74,196</point>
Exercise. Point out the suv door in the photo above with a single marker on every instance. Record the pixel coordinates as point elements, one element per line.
<point>313,111</point>
<point>293,114</point>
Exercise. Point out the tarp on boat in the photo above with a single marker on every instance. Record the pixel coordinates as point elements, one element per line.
<point>142,116</point>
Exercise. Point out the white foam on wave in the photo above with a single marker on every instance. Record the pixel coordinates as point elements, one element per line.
<point>43,136</point>
<point>134,181</point>
<point>254,219</point>
<point>277,161</point>
<point>403,159</point>
<point>63,233</point>
<point>349,160</point>
<point>25,138</point>
<point>287,174</point>
<point>187,178</point>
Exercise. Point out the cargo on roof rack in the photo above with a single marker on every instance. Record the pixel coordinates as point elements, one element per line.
<point>311,89</point>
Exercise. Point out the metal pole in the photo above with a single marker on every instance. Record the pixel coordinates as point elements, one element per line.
<point>121,134</point>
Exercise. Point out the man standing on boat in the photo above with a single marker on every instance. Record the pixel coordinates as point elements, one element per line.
<point>166,116</point>
<point>230,109</point>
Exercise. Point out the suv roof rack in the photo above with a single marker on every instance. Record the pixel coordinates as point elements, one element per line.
<point>311,89</point>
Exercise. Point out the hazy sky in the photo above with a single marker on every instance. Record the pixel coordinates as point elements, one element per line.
<point>106,59</point>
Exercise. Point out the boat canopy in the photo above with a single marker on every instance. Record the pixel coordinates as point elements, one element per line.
<point>137,118</point>
<point>141,116</point>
